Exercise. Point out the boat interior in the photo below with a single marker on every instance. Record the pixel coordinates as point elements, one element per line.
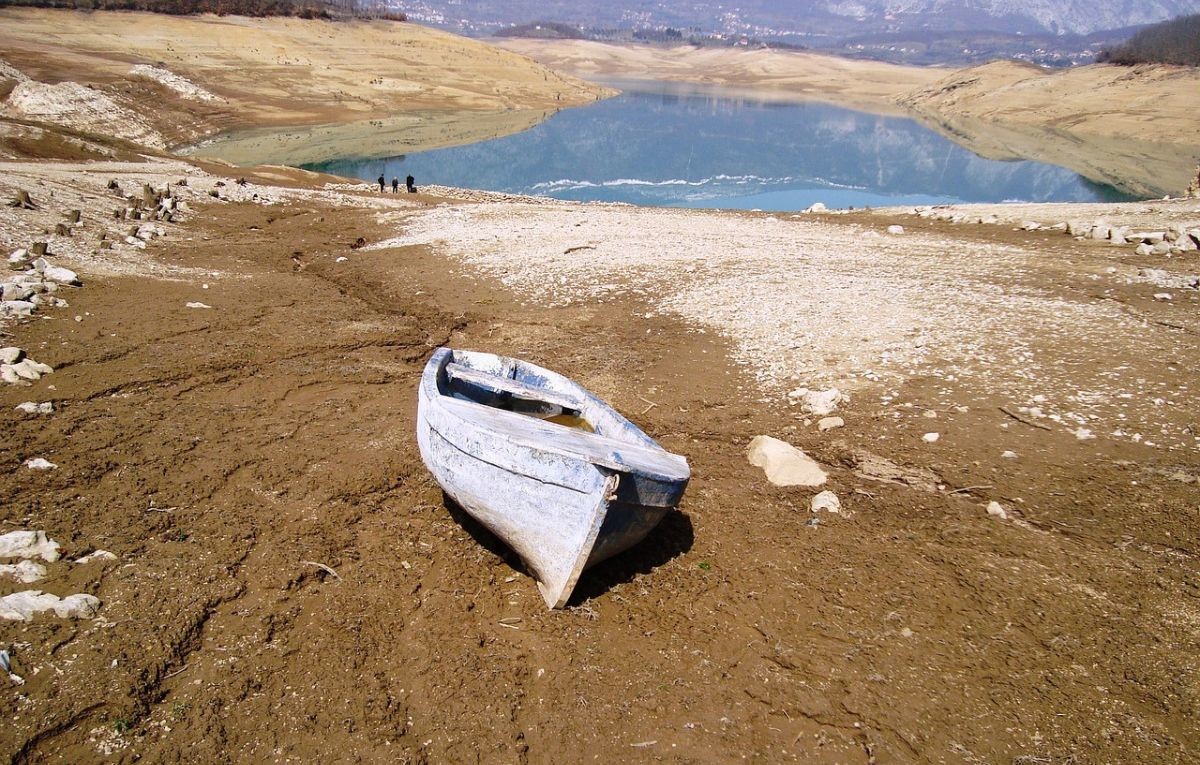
<point>504,391</point>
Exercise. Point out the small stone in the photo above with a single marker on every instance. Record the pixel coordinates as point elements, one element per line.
<point>929,414</point>
<point>996,510</point>
<point>11,355</point>
<point>827,501</point>
<point>1083,434</point>
<point>341,259</point>
<point>23,606</point>
<point>895,230</point>
<point>25,572</point>
<point>97,555</point>
<point>198,305</point>
<point>29,544</point>
<point>1008,455</point>
<point>830,423</point>
<point>38,463</point>
<point>930,438</point>
<point>61,275</point>
<point>1163,296</point>
<point>1144,250</point>
<point>817,402</point>
<point>31,407</point>
<point>784,464</point>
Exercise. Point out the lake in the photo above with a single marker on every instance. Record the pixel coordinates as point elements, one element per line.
<point>664,146</point>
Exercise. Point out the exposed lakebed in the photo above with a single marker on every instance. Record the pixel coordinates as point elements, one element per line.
<point>696,148</point>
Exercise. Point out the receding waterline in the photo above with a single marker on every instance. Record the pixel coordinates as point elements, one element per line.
<point>713,150</point>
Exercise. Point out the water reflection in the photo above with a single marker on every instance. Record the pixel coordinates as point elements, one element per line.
<point>706,150</point>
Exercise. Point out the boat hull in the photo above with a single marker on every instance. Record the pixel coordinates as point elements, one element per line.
<point>559,510</point>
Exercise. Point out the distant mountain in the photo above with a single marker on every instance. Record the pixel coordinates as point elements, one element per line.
<point>802,19</point>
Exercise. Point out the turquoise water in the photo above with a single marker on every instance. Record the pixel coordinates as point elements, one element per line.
<point>694,149</point>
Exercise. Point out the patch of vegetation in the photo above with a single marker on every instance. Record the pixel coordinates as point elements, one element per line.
<point>305,9</point>
<point>543,30</point>
<point>1171,42</point>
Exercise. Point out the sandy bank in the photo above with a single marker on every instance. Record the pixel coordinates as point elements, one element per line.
<point>868,85</point>
<point>1132,127</point>
<point>268,72</point>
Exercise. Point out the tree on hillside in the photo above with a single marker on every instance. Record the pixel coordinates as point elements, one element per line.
<point>1171,42</point>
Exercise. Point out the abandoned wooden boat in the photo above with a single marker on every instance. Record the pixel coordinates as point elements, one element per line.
<point>552,470</point>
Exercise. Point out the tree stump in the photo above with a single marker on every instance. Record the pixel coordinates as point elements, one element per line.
<point>38,249</point>
<point>74,216</point>
<point>62,229</point>
<point>22,201</point>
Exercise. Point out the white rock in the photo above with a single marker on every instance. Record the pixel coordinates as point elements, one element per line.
<point>61,275</point>
<point>11,355</point>
<point>817,207</point>
<point>198,305</point>
<point>30,407</point>
<point>1162,296</point>
<point>341,259</point>
<point>1162,248</point>
<point>784,464</point>
<point>1144,249</point>
<point>18,256</point>
<point>30,369</point>
<point>23,606</point>
<point>1008,455</point>
<point>929,414</point>
<point>38,463</point>
<point>895,230</point>
<point>1030,225</point>
<point>828,501</point>
<point>830,423</point>
<point>39,265</point>
<point>1100,232</point>
<point>817,402</point>
<point>930,438</point>
<point>9,376</point>
<point>1083,434</point>
<point>96,555</point>
<point>996,510</point>
<point>29,544</point>
<point>17,307</point>
<point>25,572</point>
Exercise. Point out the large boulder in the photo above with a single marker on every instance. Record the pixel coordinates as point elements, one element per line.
<point>784,464</point>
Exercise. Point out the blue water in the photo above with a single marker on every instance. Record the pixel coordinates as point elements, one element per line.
<point>694,149</point>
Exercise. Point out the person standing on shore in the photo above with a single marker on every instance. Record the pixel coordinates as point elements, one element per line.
<point>380,184</point>
<point>395,185</point>
<point>411,184</point>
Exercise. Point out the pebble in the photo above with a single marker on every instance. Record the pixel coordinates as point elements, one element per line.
<point>38,463</point>
<point>817,402</point>
<point>1008,455</point>
<point>96,555</point>
<point>198,305</point>
<point>830,423</point>
<point>896,230</point>
<point>929,414</point>
<point>827,501</point>
<point>996,510</point>
<point>1083,434</point>
<point>30,407</point>
<point>930,438</point>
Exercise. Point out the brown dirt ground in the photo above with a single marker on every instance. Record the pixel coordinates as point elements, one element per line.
<point>222,453</point>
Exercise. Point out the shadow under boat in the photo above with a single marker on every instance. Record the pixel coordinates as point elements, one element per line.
<point>672,537</point>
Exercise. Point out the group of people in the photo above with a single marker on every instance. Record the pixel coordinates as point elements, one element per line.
<point>409,182</point>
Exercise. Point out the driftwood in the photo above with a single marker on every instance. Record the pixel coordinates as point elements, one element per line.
<point>22,200</point>
<point>1024,420</point>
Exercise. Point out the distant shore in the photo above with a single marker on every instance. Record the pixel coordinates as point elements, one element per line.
<point>1133,128</point>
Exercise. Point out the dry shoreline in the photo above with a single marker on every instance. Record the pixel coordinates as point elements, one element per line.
<point>218,449</point>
